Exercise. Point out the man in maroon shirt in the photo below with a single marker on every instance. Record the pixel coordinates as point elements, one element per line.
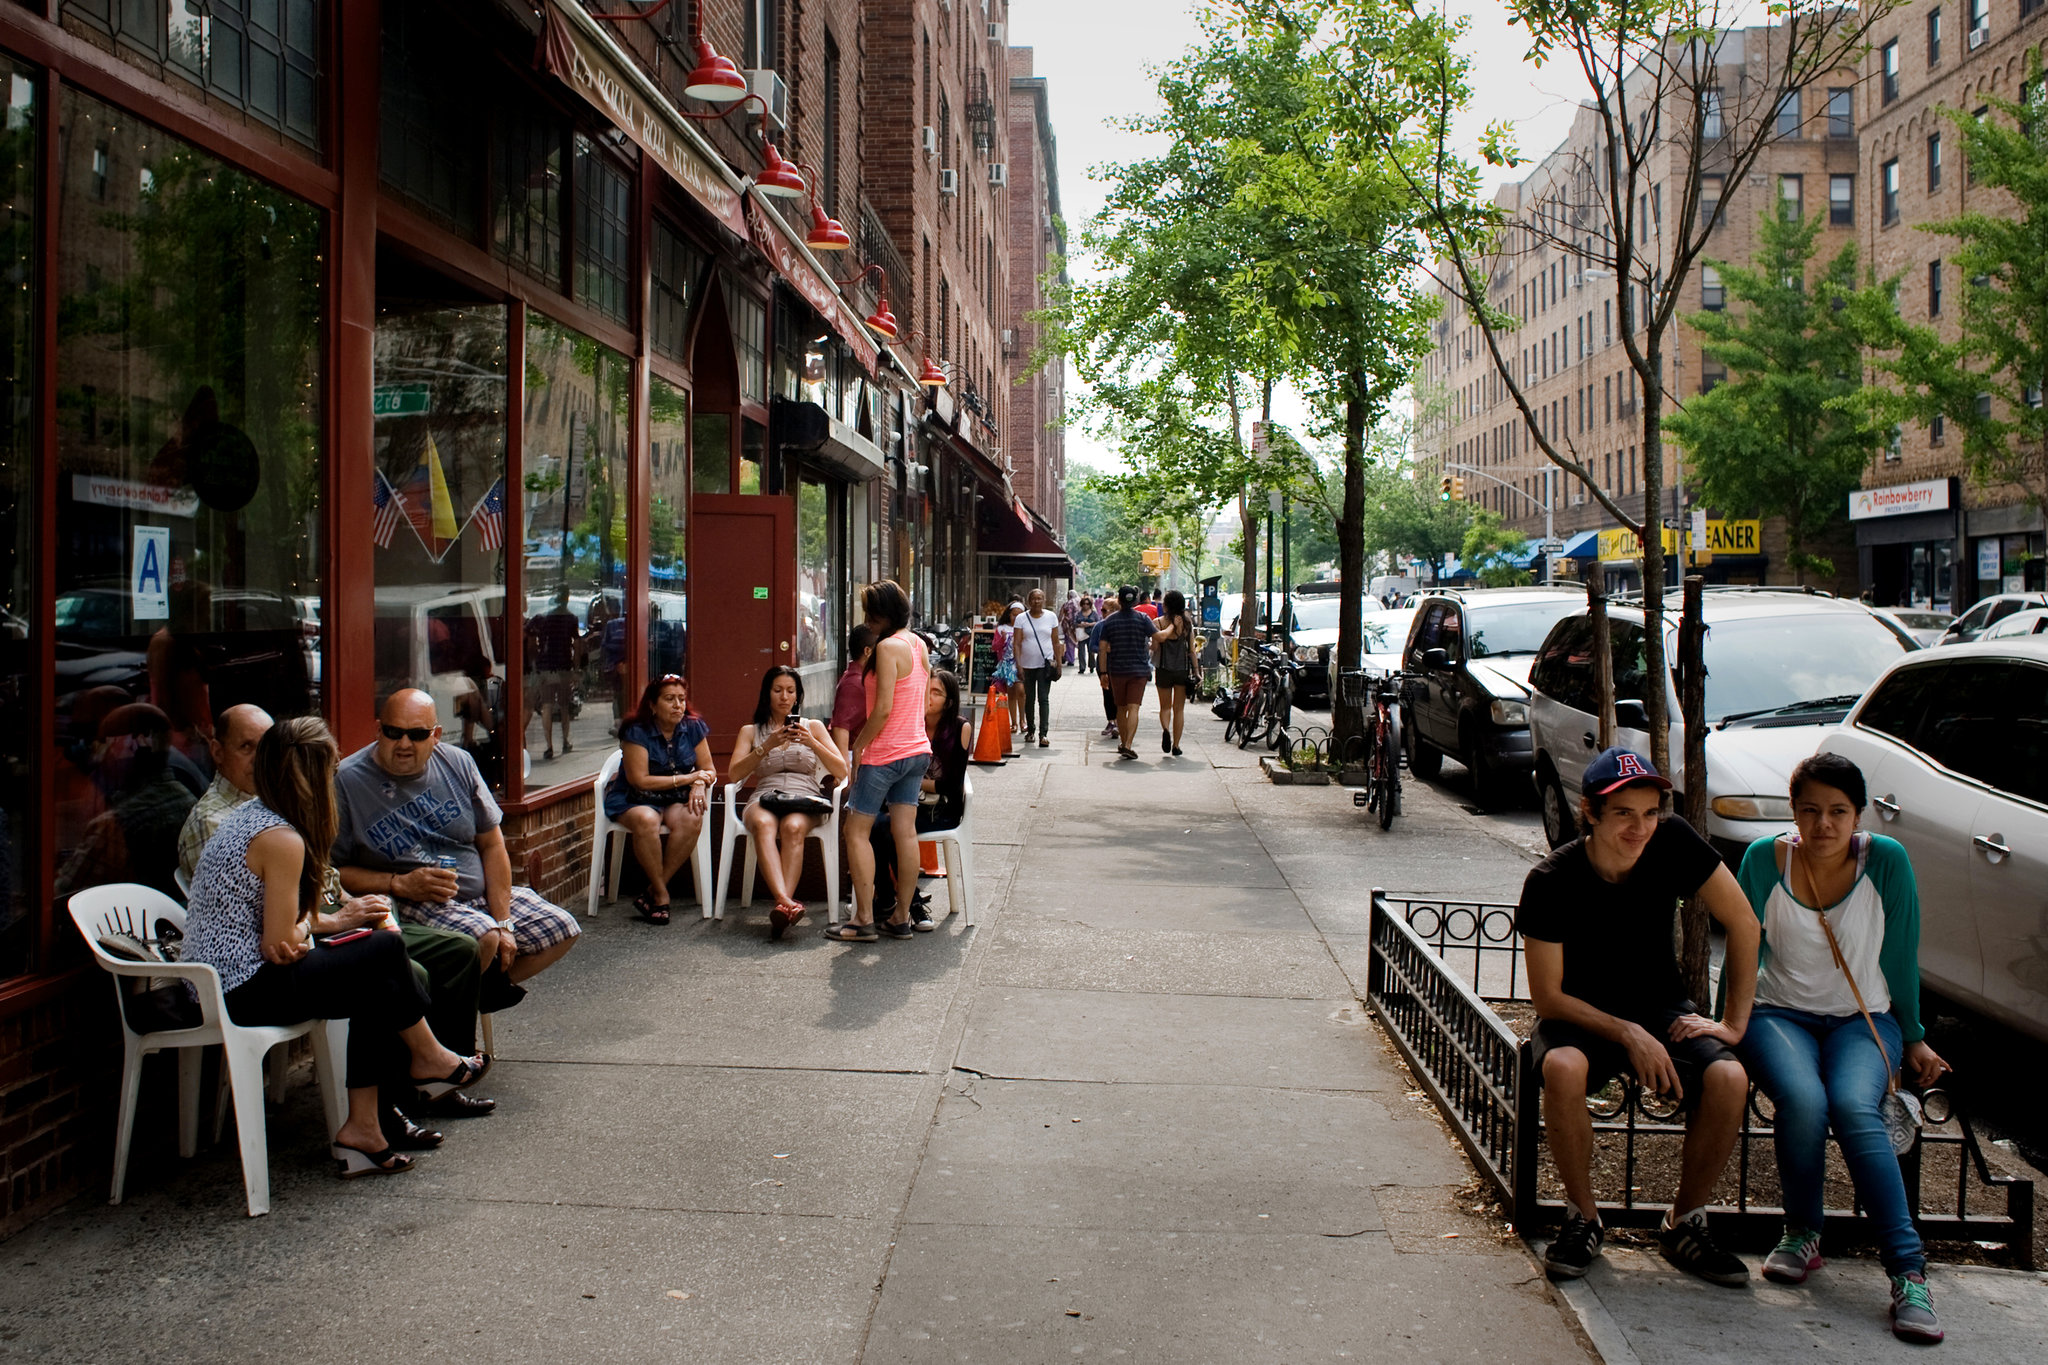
<point>849,698</point>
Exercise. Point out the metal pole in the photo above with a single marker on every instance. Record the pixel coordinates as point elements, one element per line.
<point>1271,517</point>
<point>1549,529</point>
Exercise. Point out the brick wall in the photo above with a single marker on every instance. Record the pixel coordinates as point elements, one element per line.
<point>1037,398</point>
<point>59,1070</point>
<point>550,849</point>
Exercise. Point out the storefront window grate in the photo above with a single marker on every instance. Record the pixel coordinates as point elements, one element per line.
<point>429,144</point>
<point>749,341</point>
<point>678,278</point>
<point>261,56</point>
<point>604,215</point>
<point>526,180</point>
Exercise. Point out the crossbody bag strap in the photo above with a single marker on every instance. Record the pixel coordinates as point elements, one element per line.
<point>1891,1075</point>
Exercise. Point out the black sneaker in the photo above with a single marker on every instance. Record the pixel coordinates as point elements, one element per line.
<point>1692,1248</point>
<point>1166,741</point>
<point>1576,1248</point>
<point>921,914</point>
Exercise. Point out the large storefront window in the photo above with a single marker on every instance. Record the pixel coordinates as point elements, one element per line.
<point>668,524</point>
<point>18,616</point>
<point>188,479</point>
<point>439,489</point>
<point>821,591</point>
<point>260,56</point>
<point>578,431</point>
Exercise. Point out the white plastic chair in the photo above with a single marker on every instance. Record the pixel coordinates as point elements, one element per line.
<point>603,827</point>
<point>125,908</point>
<point>184,882</point>
<point>956,847</point>
<point>825,832</point>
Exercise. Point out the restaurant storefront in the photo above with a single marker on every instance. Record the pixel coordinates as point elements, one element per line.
<point>337,364</point>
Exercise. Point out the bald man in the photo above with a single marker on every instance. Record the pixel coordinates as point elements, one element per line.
<point>445,962</point>
<point>418,824</point>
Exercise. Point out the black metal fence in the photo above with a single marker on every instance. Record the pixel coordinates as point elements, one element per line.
<point>1436,972</point>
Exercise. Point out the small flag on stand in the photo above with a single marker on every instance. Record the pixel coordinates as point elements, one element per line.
<point>490,517</point>
<point>390,504</point>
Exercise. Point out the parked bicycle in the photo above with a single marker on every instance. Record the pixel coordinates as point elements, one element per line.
<point>1266,702</point>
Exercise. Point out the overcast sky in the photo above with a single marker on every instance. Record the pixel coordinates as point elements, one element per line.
<point>1097,56</point>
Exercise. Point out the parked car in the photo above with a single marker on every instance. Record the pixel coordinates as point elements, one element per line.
<point>1470,653</point>
<point>1954,746</point>
<point>1989,613</point>
<point>1924,624</point>
<point>1313,638</point>
<point>1782,668</point>
<point>2033,621</point>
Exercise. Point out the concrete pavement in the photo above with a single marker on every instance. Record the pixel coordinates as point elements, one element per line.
<point>1137,1112</point>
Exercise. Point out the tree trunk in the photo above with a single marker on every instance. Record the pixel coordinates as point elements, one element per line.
<point>1695,935</point>
<point>1350,562</point>
<point>1656,666</point>
<point>1603,657</point>
<point>1248,524</point>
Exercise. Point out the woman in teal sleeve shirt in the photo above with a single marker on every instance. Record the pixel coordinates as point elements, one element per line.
<point>1807,1045</point>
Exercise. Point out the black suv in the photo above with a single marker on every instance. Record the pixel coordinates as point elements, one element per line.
<point>1469,653</point>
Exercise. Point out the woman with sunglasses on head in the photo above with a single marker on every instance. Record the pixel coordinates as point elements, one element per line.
<point>663,789</point>
<point>784,759</point>
<point>260,878</point>
<point>1837,1013</point>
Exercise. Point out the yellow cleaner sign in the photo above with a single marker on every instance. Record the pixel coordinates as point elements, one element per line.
<point>1723,538</point>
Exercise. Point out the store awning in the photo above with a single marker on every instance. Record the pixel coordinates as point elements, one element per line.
<point>1014,530</point>
<point>1584,545</point>
<point>590,62</point>
<point>793,261</point>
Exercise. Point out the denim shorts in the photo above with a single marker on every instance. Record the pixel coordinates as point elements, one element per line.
<point>892,784</point>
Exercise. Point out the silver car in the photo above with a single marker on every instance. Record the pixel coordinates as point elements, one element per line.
<point>1954,745</point>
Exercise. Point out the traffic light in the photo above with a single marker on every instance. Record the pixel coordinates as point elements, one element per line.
<point>1444,487</point>
<point>1457,488</point>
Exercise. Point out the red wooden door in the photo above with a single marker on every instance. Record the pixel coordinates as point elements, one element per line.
<point>742,604</point>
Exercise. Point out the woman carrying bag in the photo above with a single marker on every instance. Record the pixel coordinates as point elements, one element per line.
<point>1175,647</point>
<point>1837,1013</point>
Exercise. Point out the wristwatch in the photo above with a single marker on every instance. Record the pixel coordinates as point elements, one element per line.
<point>504,924</point>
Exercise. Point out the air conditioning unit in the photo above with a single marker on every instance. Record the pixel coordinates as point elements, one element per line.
<point>998,173</point>
<point>928,138</point>
<point>1978,37</point>
<point>995,33</point>
<point>1010,339</point>
<point>949,181</point>
<point>764,82</point>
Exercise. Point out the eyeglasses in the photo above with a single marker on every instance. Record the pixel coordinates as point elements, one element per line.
<point>392,732</point>
<point>675,680</point>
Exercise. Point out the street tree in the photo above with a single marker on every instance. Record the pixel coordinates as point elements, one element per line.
<point>1492,549</point>
<point>1790,433</point>
<point>1407,519</point>
<point>1987,379</point>
<point>1103,532</point>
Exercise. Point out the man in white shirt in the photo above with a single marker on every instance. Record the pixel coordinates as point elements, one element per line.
<point>1038,662</point>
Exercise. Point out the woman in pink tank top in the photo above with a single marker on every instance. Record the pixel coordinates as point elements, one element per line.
<point>890,755</point>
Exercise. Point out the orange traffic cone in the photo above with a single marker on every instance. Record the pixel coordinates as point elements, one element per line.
<point>991,746</point>
<point>928,860</point>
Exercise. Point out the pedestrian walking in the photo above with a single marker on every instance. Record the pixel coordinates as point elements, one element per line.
<point>1175,646</point>
<point>890,755</point>
<point>1070,616</point>
<point>1005,677</point>
<point>1127,664</point>
<point>1037,635</point>
<point>1837,1013</point>
<point>1085,619</point>
<point>1102,676</point>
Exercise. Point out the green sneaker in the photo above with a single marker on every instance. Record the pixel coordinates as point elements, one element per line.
<point>1795,1257</point>
<point>1913,1311</point>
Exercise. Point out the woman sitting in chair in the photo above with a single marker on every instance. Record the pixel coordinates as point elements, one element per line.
<point>259,880</point>
<point>666,773</point>
<point>942,797</point>
<point>784,760</point>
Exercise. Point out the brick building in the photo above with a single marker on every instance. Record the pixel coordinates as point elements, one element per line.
<point>1925,533</point>
<point>1574,370</point>
<point>389,326</point>
<point>1037,248</point>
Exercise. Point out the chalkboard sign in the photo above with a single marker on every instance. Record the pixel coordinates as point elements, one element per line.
<point>981,659</point>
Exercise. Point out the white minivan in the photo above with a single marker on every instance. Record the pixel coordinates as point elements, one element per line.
<point>1783,668</point>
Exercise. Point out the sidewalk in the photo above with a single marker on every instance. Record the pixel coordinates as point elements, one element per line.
<point>1137,1112</point>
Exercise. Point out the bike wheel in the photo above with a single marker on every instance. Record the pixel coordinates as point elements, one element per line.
<point>1282,713</point>
<point>1248,716</point>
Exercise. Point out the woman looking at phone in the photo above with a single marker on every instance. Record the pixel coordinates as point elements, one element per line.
<point>259,879</point>
<point>784,759</point>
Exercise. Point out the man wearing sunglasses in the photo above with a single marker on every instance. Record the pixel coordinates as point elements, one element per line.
<point>418,824</point>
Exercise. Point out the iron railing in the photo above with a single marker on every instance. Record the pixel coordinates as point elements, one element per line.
<point>1437,969</point>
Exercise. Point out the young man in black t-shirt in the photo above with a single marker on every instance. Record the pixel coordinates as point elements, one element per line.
<point>1596,921</point>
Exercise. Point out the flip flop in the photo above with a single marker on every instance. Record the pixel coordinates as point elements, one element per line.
<point>784,918</point>
<point>849,932</point>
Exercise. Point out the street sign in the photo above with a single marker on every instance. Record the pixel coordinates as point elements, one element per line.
<point>1549,547</point>
<point>398,400</point>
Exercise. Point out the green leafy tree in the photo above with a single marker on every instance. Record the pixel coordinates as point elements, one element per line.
<point>1788,435</point>
<point>1102,531</point>
<point>1987,380</point>
<point>1490,549</point>
<point>1407,519</point>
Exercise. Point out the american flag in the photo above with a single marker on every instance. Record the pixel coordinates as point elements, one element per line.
<point>490,517</point>
<point>390,508</point>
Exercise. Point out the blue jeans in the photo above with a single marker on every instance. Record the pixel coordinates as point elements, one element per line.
<point>1825,1071</point>
<point>898,783</point>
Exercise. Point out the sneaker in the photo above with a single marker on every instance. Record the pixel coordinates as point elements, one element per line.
<point>1913,1310</point>
<point>1795,1257</point>
<point>921,914</point>
<point>1109,730</point>
<point>1576,1248</point>
<point>1692,1248</point>
<point>1166,741</point>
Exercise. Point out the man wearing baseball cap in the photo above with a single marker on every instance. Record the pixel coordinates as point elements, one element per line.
<point>1596,920</point>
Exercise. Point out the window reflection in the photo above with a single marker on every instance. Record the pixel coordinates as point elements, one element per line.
<point>189,476</point>
<point>17,505</point>
<point>578,429</point>
<point>820,558</point>
<point>439,528</point>
<point>668,607</point>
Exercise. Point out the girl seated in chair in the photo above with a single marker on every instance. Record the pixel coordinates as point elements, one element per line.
<point>784,759</point>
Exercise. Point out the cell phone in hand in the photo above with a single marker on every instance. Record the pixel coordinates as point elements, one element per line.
<point>345,936</point>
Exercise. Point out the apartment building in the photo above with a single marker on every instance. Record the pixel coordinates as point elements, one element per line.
<point>1566,347</point>
<point>1038,248</point>
<point>1925,533</point>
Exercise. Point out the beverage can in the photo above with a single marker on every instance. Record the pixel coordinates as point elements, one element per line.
<point>447,862</point>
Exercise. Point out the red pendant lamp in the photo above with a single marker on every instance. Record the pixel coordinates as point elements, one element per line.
<point>779,177</point>
<point>882,322</point>
<point>931,376</point>
<point>714,78</point>
<point>826,234</point>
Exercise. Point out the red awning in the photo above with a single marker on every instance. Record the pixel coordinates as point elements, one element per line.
<point>1016,530</point>
<point>793,261</point>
